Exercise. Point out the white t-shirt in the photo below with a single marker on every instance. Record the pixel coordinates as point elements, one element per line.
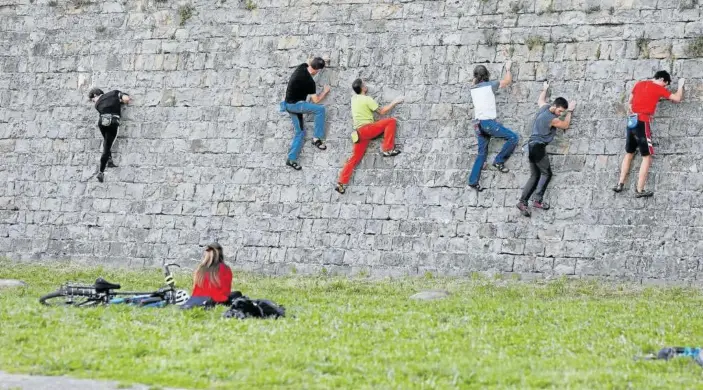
<point>484,99</point>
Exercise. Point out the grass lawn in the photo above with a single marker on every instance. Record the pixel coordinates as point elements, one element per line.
<point>357,333</point>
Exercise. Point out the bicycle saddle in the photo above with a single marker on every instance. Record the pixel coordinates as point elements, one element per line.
<point>102,285</point>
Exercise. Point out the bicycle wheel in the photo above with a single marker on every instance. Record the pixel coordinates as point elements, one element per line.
<point>59,298</point>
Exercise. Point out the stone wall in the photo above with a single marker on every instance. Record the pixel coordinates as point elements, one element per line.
<point>201,151</point>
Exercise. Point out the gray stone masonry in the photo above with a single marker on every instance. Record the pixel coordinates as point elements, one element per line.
<point>201,151</point>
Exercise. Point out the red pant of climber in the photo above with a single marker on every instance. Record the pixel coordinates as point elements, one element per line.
<point>366,134</point>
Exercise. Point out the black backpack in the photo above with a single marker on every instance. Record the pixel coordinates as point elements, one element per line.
<point>243,307</point>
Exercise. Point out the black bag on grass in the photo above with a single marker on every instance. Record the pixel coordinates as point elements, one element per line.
<point>243,307</point>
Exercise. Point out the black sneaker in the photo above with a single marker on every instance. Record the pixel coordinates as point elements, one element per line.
<point>523,208</point>
<point>111,164</point>
<point>643,194</point>
<point>619,187</point>
<point>391,153</point>
<point>501,168</point>
<point>293,165</point>
<point>477,187</point>
<point>101,177</point>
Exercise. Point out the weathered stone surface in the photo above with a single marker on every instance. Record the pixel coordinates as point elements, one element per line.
<point>202,148</point>
<point>430,295</point>
<point>10,283</point>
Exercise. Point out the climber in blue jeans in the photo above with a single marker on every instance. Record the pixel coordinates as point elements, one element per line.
<point>485,124</point>
<point>300,86</point>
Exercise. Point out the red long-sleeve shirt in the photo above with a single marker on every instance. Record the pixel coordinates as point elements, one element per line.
<point>217,294</point>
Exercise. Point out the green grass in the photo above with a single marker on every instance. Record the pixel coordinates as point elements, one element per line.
<point>360,334</point>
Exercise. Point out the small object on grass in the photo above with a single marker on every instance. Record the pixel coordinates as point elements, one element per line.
<point>243,307</point>
<point>9,283</point>
<point>430,295</point>
<point>668,353</point>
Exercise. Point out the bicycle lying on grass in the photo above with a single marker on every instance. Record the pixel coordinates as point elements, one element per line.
<point>103,292</point>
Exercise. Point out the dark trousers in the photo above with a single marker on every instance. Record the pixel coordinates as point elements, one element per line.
<point>109,134</point>
<point>541,172</point>
<point>207,302</point>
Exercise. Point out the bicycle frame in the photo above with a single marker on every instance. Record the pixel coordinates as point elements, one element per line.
<point>91,295</point>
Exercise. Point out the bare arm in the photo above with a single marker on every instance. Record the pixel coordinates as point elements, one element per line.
<point>385,109</point>
<point>629,104</point>
<point>508,78</point>
<point>543,96</point>
<point>678,96</point>
<point>564,124</point>
<point>318,98</point>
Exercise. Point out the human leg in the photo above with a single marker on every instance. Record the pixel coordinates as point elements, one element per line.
<point>483,140</point>
<point>497,130</point>
<point>110,163</point>
<point>319,111</point>
<point>389,126</point>
<point>630,149</point>
<point>531,184</point>
<point>358,152</point>
<point>644,172</point>
<point>109,136</point>
<point>624,170</point>
<point>545,170</point>
<point>644,141</point>
<point>297,144</point>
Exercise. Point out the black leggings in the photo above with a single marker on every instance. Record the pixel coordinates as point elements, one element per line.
<point>541,173</point>
<point>109,134</point>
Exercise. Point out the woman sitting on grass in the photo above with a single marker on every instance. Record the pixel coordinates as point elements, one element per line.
<point>212,280</point>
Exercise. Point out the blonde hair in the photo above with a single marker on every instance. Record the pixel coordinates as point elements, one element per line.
<point>210,266</point>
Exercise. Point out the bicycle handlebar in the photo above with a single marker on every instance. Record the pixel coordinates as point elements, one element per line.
<point>167,274</point>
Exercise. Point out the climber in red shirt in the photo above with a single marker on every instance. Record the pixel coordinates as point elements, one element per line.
<point>212,280</point>
<point>643,103</point>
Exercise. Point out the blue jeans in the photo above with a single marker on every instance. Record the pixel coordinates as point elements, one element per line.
<point>484,131</point>
<point>296,111</point>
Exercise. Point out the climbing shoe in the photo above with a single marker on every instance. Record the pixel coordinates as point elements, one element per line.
<point>391,153</point>
<point>101,177</point>
<point>341,188</point>
<point>522,206</point>
<point>643,194</point>
<point>111,164</point>
<point>293,165</point>
<point>618,187</point>
<point>540,205</point>
<point>477,187</point>
<point>501,168</point>
<point>319,144</point>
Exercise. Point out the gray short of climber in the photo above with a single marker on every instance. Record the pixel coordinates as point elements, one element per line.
<point>544,127</point>
<point>109,106</point>
<point>300,86</point>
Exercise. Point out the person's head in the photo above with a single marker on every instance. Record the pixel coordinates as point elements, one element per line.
<point>359,86</point>
<point>481,74</point>
<point>662,78</point>
<point>559,106</point>
<point>210,265</point>
<point>94,94</point>
<point>316,65</point>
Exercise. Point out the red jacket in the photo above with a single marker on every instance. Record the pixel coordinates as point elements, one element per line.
<point>218,294</point>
